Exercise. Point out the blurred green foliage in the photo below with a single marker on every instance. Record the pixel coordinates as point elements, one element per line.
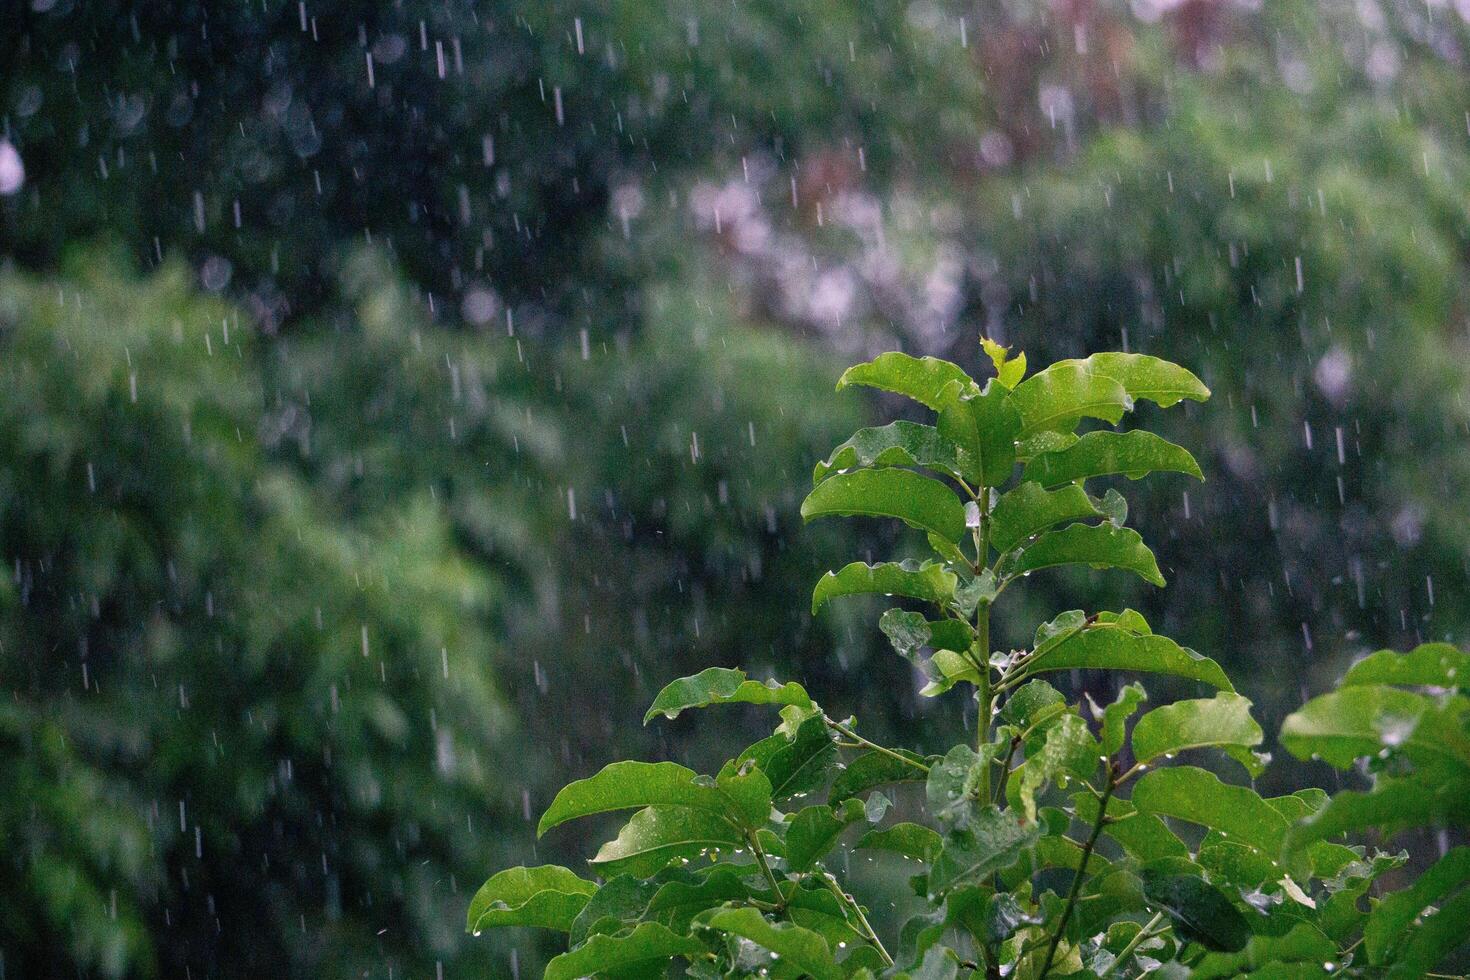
<point>532,311</point>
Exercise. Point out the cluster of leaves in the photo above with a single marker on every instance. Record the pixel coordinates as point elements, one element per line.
<point>1061,844</point>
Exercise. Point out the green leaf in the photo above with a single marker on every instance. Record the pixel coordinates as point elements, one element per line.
<point>1199,797</point>
<point>1200,911</point>
<point>928,581</point>
<point>919,378</point>
<point>548,897</point>
<point>895,444</point>
<point>1101,546</point>
<point>950,788</point>
<point>676,903</point>
<point>1132,454</point>
<point>1008,370</point>
<point>647,945</point>
<point>1143,836</point>
<point>626,785</point>
<point>1148,378</point>
<point>984,427</point>
<point>1391,805</point>
<point>1397,911</point>
<point>1224,720</point>
<point>812,833</point>
<point>749,789</point>
<point>1032,704</point>
<point>1043,442</point>
<point>1427,665</point>
<point>1029,509</point>
<point>796,765</point>
<point>878,769</point>
<point>950,634</point>
<point>722,685</point>
<point>990,841</point>
<point>1069,750</point>
<point>1433,939</point>
<point>1355,722</point>
<point>1116,715</point>
<point>909,839</point>
<point>800,947</point>
<point>658,834</point>
<point>919,501</point>
<point>1057,398</point>
<point>908,632</point>
<point>617,905</point>
<point>1111,647</point>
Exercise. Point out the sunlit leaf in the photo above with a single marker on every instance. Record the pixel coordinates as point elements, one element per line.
<point>1427,665</point>
<point>1110,647</point>
<point>1132,454</point>
<point>645,946</point>
<point>658,834</point>
<point>626,785</point>
<point>1116,715</point>
<point>1224,720</point>
<point>896,444</point>
<point>1149,378</point>
<point>1100,546</point>
<point>984,427</point>
<point>919,501</point>
<point>1008,370</point>
<point>1056,398</point>
<point>721,685</point>
<point>548,897</point>
<point>928,581</point>
<point>1029,509</point>
<point>1199,797</point>
<point>919,378</point>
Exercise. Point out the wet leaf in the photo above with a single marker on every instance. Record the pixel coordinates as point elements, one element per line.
<point>919,501</point>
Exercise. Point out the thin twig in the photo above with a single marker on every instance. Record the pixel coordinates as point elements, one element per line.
<point>843,730</point>
<point>1097,826</point>
<point>760,857</point>
<point>857,909</point>
<point>1133,944</point>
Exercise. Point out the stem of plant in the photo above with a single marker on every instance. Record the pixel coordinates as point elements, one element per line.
<point>1133,944</point>
<point>848,733</point>
<point>1097,826</point>
<point>857,910</point>
<point>760,857</point>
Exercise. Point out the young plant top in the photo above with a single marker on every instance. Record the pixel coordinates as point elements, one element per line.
<point>1068,840</point>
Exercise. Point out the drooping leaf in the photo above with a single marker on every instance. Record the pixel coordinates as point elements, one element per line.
<point>1354,722</point>
<point>1224,720</point>
<point>1199,797</point>
<point>1132,454</point>
<point>722,685</point>
<point>908,632</point>
<point>873,769</point>
<point>1029,509</point>
<point>1199,911</point>
<point>1397,911</point>
<point>919,501</point>
<point>896,444</point>
<point>658,834</point>
<point>983,426</point>
<point>1149,378</point>
<point>749,789</point>
<point>626,785</point>
<point>928,581</point>
<point>1100,546</point>
<point>645,946</point>
<point>1427,665</point>
<point>919,378</point>
<point>1110,647</point>
<point>950,634</point>
<point>1433,939</point>
<point>909,839</point>
<point>990,840</point>
<point>950,788</point>
<point>619,904</point>
<point>800,947</point>
<point>1056,398</point>
<point>548,897</point>
<point>1116,715</point>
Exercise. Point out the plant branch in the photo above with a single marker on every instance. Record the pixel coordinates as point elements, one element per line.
<point>1133,944</point>
<point>848,733</point>
<point>857,910</point>
<point>1097,826</point>
<point>760,857</point>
